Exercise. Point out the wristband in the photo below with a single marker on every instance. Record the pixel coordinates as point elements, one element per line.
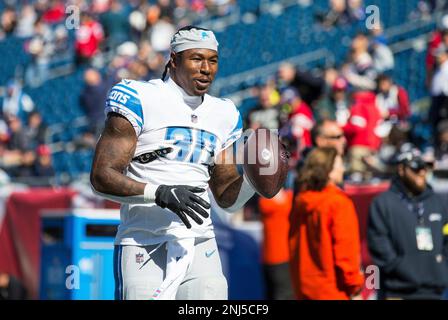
<point>150,193</point>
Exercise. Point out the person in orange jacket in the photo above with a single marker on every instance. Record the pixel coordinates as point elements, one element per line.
<point>275,251</point>
<point>324,242</point>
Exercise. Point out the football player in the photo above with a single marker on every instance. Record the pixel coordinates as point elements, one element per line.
<point>163,145</point>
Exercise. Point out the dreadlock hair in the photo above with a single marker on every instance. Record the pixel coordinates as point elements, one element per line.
<point>186,28</point>
<point>165,71</point>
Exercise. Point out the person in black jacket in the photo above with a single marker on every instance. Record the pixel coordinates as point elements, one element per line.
<point>407,234</point>
<point>11,288</point>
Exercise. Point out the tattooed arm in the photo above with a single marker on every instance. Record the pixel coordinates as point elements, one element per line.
<point>230,190</point>
<point>225,181</point>
<point>113,154</point>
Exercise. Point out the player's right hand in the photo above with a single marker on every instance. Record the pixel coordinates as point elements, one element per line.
<point>183,201</point>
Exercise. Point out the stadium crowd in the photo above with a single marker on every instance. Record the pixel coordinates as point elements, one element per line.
<point>113,40</point>
<point>355,107</point>
<point>118,40</point>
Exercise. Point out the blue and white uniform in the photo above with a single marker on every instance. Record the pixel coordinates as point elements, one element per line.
<point>164,116</point>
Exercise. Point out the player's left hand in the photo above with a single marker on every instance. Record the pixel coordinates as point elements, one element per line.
<point>183,201</point>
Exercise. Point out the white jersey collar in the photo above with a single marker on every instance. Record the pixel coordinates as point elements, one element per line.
<point>192,101</point>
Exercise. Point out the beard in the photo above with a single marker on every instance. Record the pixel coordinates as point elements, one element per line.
<point>413,186</point>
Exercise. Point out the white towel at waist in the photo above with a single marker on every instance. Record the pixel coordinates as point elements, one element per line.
<point>179,256</point>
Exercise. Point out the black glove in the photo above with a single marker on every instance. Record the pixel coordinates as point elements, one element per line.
<point>183,201</point>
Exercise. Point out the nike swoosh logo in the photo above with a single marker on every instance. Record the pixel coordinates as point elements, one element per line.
<point>209,254</point>
<point>174,194</point>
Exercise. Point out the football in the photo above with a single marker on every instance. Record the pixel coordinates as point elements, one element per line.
<point>265,162</point>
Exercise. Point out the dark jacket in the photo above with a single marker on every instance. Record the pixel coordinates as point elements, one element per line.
<point>405,271</point>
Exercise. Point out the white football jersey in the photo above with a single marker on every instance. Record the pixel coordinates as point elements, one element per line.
<point>161,119</point>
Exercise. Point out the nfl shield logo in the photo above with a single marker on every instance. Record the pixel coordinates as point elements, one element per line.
<point>139,258</point>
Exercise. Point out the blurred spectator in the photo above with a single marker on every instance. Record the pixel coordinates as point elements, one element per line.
<point>8,158</point>
<point>41,48</point>
<point>182,14</point>
<point>15,101</point>
<point>377,33</point>
<point>115,24</point>
<point>328,134</point>
<point>18,139</point>
<point>27,18</point>
<point>88,38</point>
<point>161,33</point>
<point>36,130</point>
<point>152,16</point>
<point>8,22</point>
<point>55,12</point>
<point>126,65</point>
<point>275,219</point>
<point>337,15</point>
<point>392,99</point>
<point>408,234</point>
<point>324,237</point>
<point>325,134</point>
<point>43,166</point>
<point>93,97</point>
<point>11,288</point>
<point>362,138</point>
<point>26,168</point>
<point>4,132</point>
<point>153,61</point>
<point>356,10</point>
<point>166,8</point>
<point>383,58</point>
<point>330,76</point>
<point>438,37</point>
<point>138,22</point>
<point>336,105</point>
<point>309,86</point>
<point>198,6</point>
<point>433,5</point>
<point>60,41</point>
<point>138,70</point>
<point>301,117</point>
<point>383,163</point>
<point>360,72</point>
<point>441,151</point>
<point>98,6</point>
<point>220,7</point>
<point>266,114</point>
<point>439,89</point>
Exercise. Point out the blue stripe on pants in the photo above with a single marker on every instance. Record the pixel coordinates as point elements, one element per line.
<point>117,273</point>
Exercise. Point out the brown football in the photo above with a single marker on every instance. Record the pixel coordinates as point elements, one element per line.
<point>265,162</point>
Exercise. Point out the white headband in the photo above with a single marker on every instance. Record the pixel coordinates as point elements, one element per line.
<point>193,39</point>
